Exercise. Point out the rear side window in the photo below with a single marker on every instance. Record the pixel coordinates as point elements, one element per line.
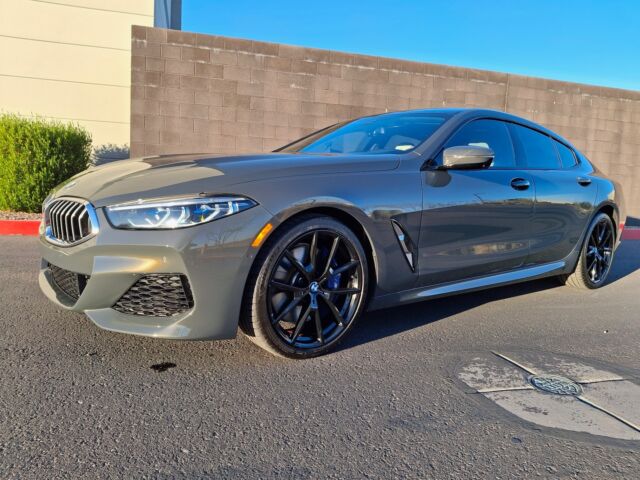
<point>567,157</point>
<point>487,133</point>
<point>535,148</point>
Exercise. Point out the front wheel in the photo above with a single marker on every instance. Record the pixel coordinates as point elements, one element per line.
<point>307,288</point>
<point>596,255</point>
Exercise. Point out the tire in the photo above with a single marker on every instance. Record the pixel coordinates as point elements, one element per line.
<point>305,309</point>
<point>590,272</point>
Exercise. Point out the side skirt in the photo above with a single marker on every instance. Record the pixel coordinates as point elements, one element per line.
<point>479,283</point>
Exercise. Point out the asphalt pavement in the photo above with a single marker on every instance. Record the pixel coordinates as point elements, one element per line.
<point>79,402</point>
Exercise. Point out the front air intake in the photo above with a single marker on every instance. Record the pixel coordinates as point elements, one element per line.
<point>70,283</point>
<point>157,295</point>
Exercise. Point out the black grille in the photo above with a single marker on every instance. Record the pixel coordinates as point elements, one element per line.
<point>68,221</point>
<point>157,295</point>
<point>70,283</point>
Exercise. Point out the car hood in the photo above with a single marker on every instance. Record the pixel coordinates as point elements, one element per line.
<point>176,175</point>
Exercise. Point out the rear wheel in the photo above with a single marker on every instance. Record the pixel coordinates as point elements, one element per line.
<point>596,255</point>
<point>307,288</point>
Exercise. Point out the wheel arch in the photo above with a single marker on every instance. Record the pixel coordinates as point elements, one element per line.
<point>607,207</point>
<point>611,210</point>
<point>343,216</point>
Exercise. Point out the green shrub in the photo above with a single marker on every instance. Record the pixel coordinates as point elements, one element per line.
<point>35,156</point>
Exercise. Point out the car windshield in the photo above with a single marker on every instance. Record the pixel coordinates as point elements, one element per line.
<point>392,133</point>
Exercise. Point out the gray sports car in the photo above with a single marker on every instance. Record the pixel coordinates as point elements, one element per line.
<point>294,245</point>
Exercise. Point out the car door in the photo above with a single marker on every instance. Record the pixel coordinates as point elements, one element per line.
<point>564,195</point>
<point>475,222</point>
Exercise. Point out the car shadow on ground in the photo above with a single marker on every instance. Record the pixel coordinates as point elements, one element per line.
<point>626,261</point>
<point>377,325</point>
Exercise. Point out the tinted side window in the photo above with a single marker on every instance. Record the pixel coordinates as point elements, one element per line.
<point>487,133</point>
<point>536,148</point>
<point>567,157</point>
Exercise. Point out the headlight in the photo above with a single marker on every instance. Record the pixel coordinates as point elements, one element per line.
<point>174,213</point>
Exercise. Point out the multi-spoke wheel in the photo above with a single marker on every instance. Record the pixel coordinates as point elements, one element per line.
<point>596,256</point>
<point>308,288</point>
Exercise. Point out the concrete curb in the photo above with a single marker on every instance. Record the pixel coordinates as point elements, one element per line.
<point>19,227</point>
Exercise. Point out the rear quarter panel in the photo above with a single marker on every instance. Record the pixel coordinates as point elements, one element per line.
<point>609,194</point>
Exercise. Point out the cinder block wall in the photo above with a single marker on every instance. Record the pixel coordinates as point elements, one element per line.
<point>202,93</point>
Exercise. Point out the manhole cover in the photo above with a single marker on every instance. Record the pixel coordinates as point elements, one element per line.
<point>558,392</point>
<point>555,384</point>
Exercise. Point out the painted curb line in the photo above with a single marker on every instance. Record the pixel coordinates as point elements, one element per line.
<point>19,227</point>
<point>631,233</point>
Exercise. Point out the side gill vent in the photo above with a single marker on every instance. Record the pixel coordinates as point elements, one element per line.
<point>405,244</point>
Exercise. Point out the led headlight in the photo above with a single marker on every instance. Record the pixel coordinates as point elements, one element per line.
<point>174,213</point>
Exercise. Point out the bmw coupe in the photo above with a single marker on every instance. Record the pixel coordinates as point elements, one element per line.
<point>293,245</point>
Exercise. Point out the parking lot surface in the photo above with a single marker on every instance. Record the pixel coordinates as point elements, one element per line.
<point>400,399</point>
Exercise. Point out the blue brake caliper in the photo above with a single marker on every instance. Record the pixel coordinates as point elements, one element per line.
<point>333,281</point>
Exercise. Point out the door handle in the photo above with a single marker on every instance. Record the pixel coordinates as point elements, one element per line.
<point>520,184</point>
<point>584,181</point>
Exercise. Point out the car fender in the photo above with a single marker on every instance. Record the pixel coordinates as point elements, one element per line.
<point>355,195</point>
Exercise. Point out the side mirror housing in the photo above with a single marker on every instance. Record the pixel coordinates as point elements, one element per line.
<point>467,157</point>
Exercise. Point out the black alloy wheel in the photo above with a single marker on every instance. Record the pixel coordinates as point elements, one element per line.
<point>596,256</point>
<point>599,252</point>
<point>312,287</point>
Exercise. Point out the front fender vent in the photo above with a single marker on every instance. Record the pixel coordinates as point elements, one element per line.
<point>406,244</point>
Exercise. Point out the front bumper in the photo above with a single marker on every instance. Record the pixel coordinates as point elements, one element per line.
<point>215,258</point>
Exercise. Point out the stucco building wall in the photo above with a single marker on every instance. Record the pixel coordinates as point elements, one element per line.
<point>71,60</point>
<point>201,93</point>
